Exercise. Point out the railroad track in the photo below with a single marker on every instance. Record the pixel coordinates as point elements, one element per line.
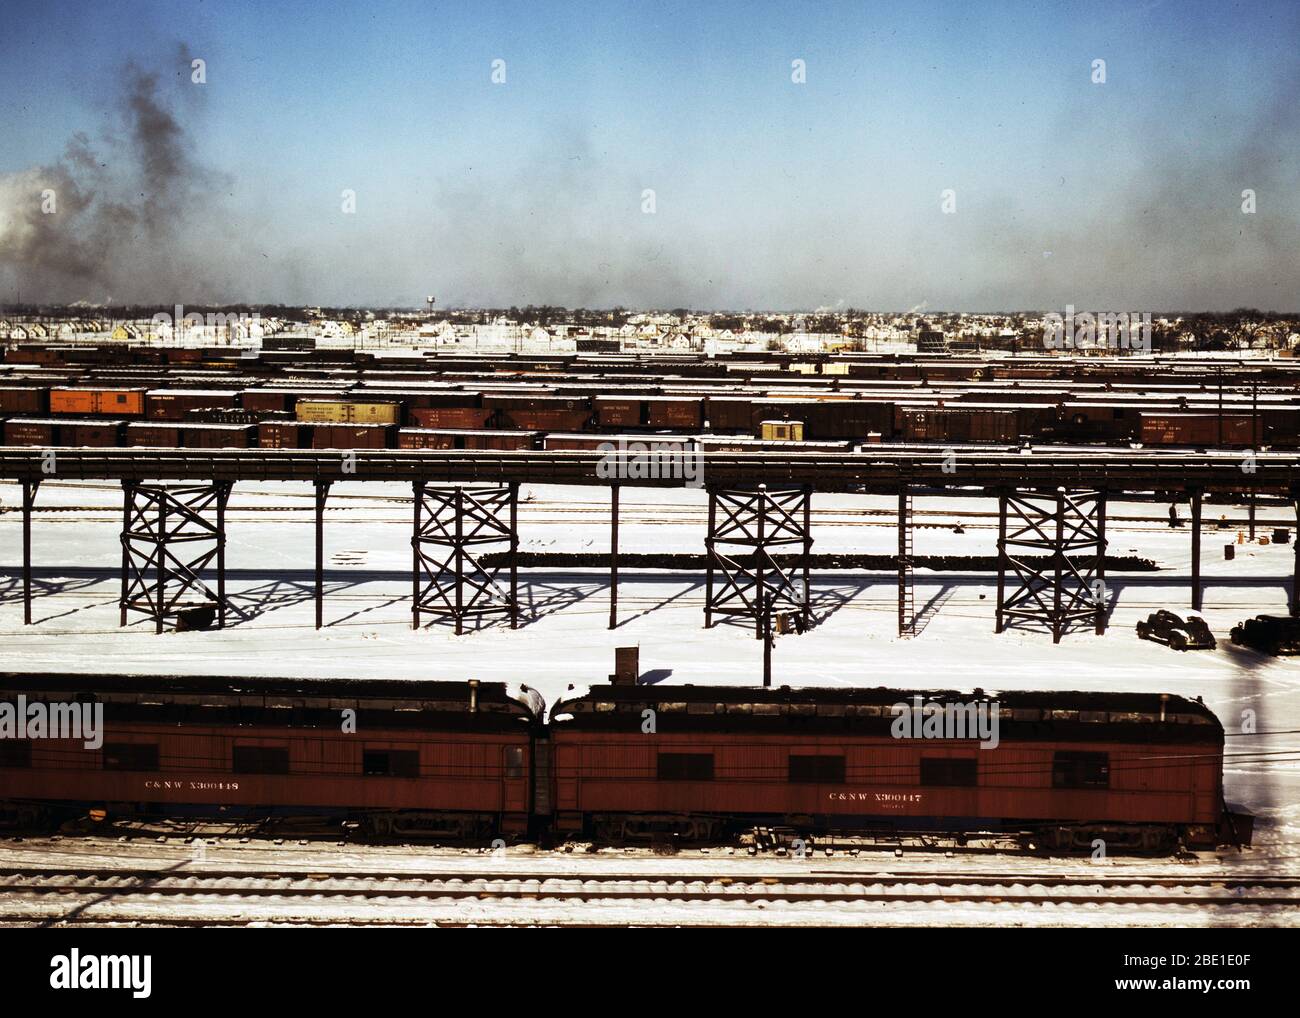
<point>79,895</point>
<point>660,516</point>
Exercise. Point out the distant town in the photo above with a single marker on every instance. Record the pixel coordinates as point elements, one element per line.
<point>540,329</point>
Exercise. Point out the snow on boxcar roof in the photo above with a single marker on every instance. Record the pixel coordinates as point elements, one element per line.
<point>441,693</point>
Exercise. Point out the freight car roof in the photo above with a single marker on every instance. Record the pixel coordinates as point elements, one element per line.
<point>78,421</point>
<point>1065,715</point>
<point>193,392</point>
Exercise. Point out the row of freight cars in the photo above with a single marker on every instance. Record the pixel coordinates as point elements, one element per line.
<point>297,417</point>
<point>297,352</point>
<point>93,433</point>
<point>98,433</point>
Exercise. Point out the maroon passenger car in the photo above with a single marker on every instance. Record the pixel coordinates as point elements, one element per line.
<point>1139,770</point>
<point>402,757</point>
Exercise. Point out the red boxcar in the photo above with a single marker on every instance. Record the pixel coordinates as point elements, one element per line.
<point>403,757</point>
<point>1135,769</point>
<point>462,418</point>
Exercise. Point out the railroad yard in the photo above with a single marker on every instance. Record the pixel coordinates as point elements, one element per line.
<point>896,486</point>
<point>653,467</point>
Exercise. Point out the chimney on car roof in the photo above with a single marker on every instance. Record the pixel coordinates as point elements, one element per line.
<point>627,666</point>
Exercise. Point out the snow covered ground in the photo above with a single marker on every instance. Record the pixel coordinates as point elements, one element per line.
<point>564,641</point>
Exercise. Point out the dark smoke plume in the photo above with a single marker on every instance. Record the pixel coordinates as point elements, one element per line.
<point>126,212</point>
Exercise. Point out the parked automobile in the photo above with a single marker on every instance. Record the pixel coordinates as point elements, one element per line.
<point>1269,634</point>
<point>1170,629</point>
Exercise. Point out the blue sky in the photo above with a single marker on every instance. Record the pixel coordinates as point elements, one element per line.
<point>768,193</point>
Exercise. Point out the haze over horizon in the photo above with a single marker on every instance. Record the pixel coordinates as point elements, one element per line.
<point>767,193</point>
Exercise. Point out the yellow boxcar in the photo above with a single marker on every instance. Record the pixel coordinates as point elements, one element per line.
<point>336,411</point>
<point>781,431</point>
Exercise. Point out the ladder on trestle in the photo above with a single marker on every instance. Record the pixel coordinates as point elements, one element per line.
<point>906,595</point>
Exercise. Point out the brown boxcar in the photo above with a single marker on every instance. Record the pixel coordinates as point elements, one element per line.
<point>467,418</point>
<point>538,410</point>
<point>523,419</point>
<point>427,438</point>
<point>31,355</point>
<point>619,412</point>
<point>218,436</point>
<point>92,434</point>
<point>1198,429</point>
<point>1098,422</point>
<point>448,438</point>
<point>153,436</point>
<point>284,435</point>
<point>730,413</point>
<point>632,442</point>
<point>674,411</point>
<point>24,400</point>
<point>1136,769</point>
<point>435,758</point>
<point>267,400</point>
<point>825,417</point>
<point>585,443</point>
<point>950,424</point>
<point>32,431</point>
<point>500,440</point>
<point>173,404</point>
<point>352,436</point>
<point>423,399</point>
<point>1280,426</point>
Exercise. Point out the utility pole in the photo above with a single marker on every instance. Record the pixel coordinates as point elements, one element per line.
<point>1220,373</point>
<point>765,609</point>
<point>1254,444</point>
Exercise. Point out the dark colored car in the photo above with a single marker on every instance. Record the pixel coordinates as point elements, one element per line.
<point>1167,628</point>
<point>1270,634</point>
